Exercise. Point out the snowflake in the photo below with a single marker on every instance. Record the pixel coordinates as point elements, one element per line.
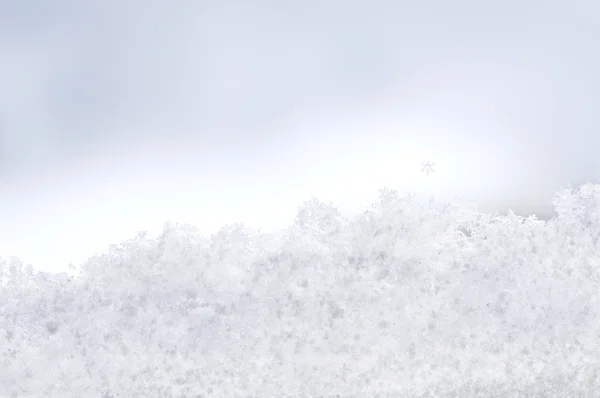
<point>428,167</point>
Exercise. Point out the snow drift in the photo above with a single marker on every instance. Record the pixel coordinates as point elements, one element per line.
<point>406,300</point>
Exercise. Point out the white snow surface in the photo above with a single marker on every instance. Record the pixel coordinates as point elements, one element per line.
<point>403,300</point>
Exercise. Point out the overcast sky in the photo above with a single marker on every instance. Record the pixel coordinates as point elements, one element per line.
<point>117,115</point>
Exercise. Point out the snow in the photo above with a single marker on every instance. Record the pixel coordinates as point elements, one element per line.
<point>403,300</point>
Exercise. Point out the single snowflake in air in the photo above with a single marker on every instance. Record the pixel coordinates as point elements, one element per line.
<point>428,167</point>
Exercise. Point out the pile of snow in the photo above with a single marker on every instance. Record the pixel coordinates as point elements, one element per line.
<point>405,300</point>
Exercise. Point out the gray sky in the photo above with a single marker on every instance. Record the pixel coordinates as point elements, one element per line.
<point>116,116</point>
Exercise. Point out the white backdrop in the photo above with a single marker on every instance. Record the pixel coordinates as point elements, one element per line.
<point>119,116</point>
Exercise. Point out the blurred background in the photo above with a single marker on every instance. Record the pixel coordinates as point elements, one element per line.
<point>116,116</point>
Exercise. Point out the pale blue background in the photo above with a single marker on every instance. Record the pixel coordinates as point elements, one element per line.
<point>118,115</point>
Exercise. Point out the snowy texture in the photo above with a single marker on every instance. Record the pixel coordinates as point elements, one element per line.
<point>406,300</point>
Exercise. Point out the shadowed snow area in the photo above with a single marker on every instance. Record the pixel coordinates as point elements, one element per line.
<point>404,300</point>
